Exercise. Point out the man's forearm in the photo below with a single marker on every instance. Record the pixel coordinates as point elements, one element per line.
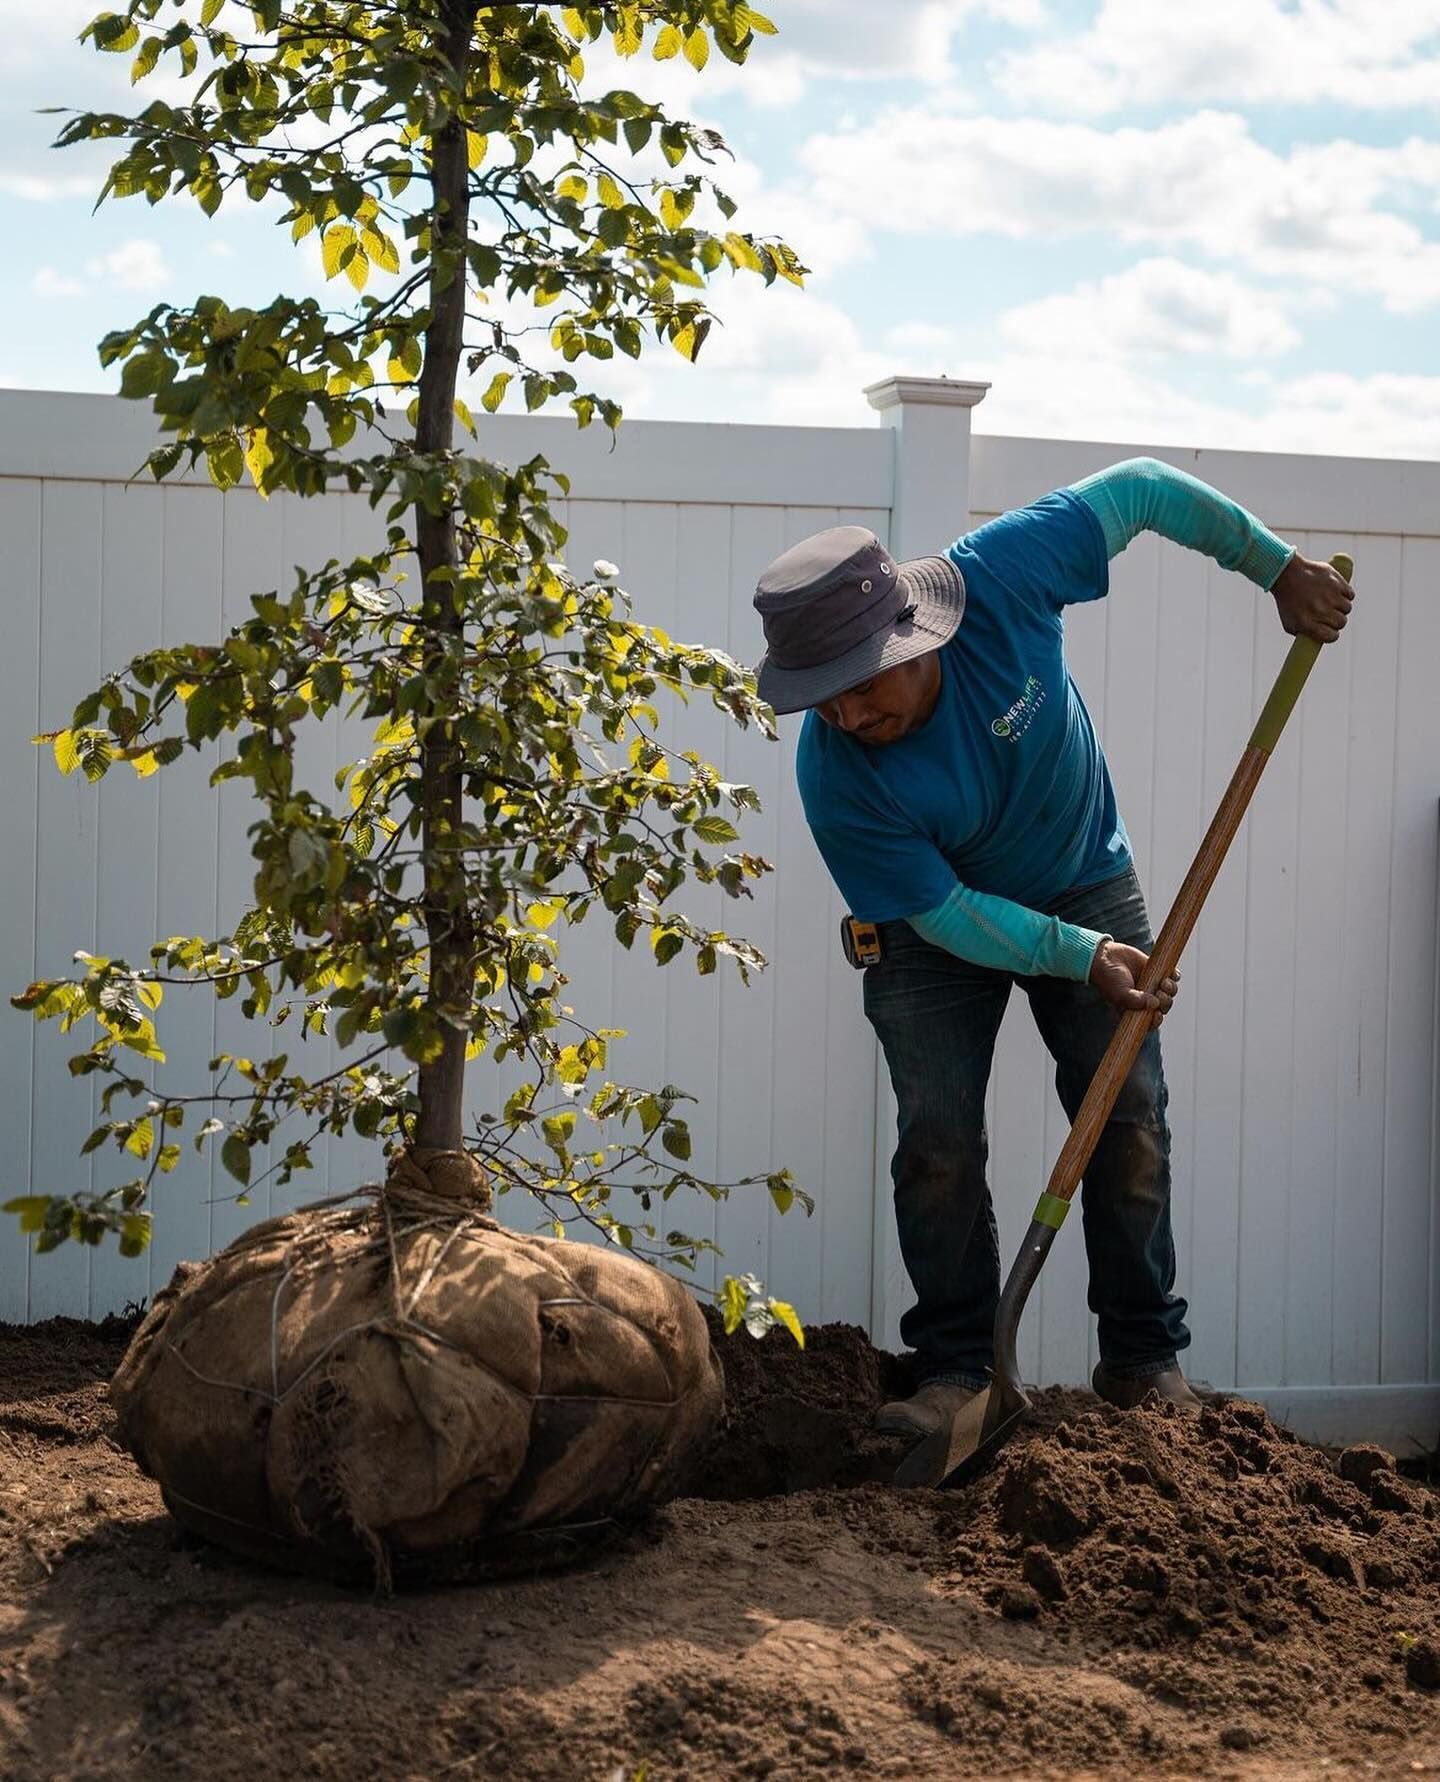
<point>1144,495</point>
<point>1006,936</point>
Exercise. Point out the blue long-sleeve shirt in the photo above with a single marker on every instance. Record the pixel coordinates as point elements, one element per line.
<point>1001,800</point>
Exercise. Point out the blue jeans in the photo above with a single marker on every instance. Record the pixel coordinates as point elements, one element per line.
<point>936,1017</point>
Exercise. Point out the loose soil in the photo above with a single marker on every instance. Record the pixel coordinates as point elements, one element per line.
<point>1120,1594</point>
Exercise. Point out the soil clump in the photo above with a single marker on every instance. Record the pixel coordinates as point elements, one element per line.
<point>1121,1593</point>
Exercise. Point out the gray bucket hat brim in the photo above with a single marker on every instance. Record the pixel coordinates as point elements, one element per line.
<point>932,586</point>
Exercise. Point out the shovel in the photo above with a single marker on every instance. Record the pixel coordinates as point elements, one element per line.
<point>960,1449</point>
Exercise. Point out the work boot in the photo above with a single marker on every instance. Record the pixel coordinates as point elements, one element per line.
<point>1125,1394</point>
<point>926,1411</point>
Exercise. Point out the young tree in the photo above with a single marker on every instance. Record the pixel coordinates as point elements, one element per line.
<point>462,177</point>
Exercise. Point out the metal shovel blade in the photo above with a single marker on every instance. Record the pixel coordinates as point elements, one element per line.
<point>963,1447</point>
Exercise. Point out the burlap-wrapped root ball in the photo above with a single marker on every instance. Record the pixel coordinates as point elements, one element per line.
<point>405,1388</point>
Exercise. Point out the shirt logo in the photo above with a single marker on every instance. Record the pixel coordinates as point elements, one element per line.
<point>1010,726</point>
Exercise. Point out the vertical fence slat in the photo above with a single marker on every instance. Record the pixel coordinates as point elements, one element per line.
<point>1217,984</point>
<point>186,878</point>
<point>1372,641</point>
<point>1316,737</point>
<point>20,588</point>
<point>62,1106</point>
<point>1409,918</point>
<point>128,822</point>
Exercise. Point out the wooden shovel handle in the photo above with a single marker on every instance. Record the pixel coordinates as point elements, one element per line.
<point>1124,1047</point>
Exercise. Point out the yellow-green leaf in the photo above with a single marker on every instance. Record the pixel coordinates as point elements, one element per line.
<point>357,268</point>
<point>684,342</point>
<point>476,145</point>
<point>112,36</point>
<point>144,763</point>
<point>785,1314</point>
<point>259,458</point>
<point>541,915</point>
<point>495,395</point>
<point>610,194</point>
<point>732,1304</point>
<point>464,416</point>
<point>333,244</point>
<point>740,252</point>
<point>67,753</point>
<point>629,31</point>
<point>381,249</point>
<point>142,1138</point>
<point>572,186</point>
<point>667,43</point>
<point>697,50</point>
<point>750,20</point>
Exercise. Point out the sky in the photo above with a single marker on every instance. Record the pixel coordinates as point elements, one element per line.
<point>1140,222</point>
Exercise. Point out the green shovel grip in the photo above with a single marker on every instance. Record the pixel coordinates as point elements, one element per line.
<point>1291,678</point>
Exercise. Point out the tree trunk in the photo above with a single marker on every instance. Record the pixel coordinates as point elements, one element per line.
<point>442,1081</point>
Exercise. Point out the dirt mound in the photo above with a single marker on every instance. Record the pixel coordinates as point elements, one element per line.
<point>53,1374</point>
<point>799,1418</point>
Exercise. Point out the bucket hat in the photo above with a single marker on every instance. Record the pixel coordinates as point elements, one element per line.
<point>837,608</point>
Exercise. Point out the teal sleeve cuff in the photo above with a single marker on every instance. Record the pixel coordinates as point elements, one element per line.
<point>1144,495</point>
<point>1006,936</point>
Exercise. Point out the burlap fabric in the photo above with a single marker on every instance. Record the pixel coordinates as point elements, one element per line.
<point>405,1387</point>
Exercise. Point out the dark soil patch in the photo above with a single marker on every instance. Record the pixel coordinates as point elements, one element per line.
<point>799,1418</point>
<point>1119,1594</point>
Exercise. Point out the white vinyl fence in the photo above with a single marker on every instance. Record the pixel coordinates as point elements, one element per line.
<point>1302,1056</point>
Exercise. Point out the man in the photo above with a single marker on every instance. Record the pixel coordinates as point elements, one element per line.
<point>954,785</point>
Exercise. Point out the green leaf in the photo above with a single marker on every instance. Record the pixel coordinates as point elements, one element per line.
<point>676,1139</point>
<point>210,11</point>
<point>667,943</point>
<point>715,830</point>
<point>134,1234</point>
<point>235,1155</point>
<point>143,374</point>
<point>113,33</point>
<point>782,1191</point>
<point>785,1314</point>
<point>557,1129</point>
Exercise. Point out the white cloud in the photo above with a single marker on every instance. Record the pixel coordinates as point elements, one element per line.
<point>817,41</point>
<point>48,282</point>
<point>1156,307</point>
<point>1383,415</point>
<point>39,188</point>
<point>1370,53</point>
<point>136,265</point>
<point>1332,216</point>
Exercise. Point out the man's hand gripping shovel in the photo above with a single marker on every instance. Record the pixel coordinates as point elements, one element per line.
<point>959,1450</point>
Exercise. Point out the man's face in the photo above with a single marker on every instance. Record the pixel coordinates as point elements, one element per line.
<point>888,706</point>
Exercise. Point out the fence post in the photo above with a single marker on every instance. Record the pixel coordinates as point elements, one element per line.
<point>930,508</point>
